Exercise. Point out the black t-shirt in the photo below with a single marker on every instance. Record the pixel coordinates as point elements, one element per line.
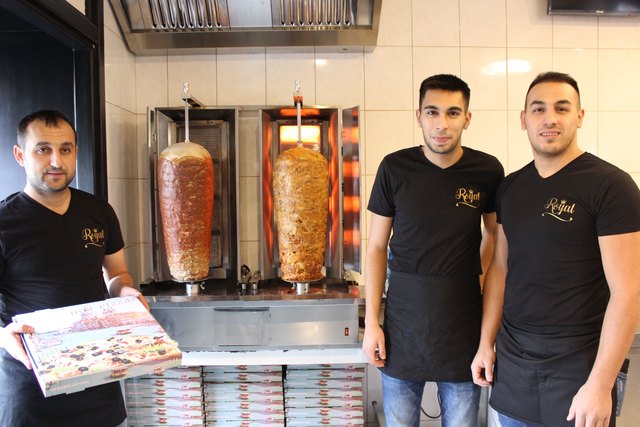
<point>552,227</point>
<point>556,292</point>
<point>436,212</point>
<point>434,307</point>
<point>49,260</point>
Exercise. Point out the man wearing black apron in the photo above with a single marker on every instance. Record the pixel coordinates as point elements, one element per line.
<point>561,298</point>
<point>434,197</point>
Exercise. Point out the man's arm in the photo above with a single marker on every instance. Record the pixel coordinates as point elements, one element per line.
<point>492,300</point>
<point>375,273</point>
<point>620,254</point>
<point>488,243</point>
<point>116,276</point>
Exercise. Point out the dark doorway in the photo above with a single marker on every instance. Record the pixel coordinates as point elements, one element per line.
<point>51,57</point>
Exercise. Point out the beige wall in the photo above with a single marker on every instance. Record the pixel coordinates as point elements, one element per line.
<point>497,46</point>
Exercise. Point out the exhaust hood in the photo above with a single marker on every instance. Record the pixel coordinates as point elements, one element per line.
<point>189,25</point>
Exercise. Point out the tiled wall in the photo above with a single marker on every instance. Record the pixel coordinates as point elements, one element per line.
<point>497,46</point>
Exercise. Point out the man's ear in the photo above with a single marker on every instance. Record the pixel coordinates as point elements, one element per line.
<point>18,154</point>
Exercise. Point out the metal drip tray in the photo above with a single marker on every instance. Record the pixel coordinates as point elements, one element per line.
<point>221,317</point>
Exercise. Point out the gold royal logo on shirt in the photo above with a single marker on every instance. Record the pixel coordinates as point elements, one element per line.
<point>468,197</point>
<point>93,237</point>
<point>559,209</point>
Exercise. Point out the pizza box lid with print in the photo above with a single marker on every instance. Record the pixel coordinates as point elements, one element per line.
<point>90,344</point>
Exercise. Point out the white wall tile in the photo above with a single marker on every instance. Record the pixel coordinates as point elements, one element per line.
<point>519,148</point>
<point>339,78</point>
<point>488,132</point>
<point>619,32</point>
<point>110,18</point>
<point>523,65</point>
<point>142,146</point>
<point>151,87</point>
<point>241,77</point>
<point>388,79</point>
<point>483,23</point>
<point>428,61</point>
<point>368,181</point>
<point>124,197</point>
<point>582,65</point>
<point>283,68</point>
<point>113,62</point>
<point>613,130</point>
<point>128,80</point>
<point>588,133</point>
<point>436,23</point>
<point>122,143</point>
<point>528,24</point>
<point>618,74</point>
<point>484,70</point>
<point>386,132</point>
<point>199,71</point>
<point>575,31</point>
<point>395,23</point>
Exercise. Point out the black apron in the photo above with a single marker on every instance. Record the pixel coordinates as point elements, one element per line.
<point>432,327</point>
<point>537,374</point>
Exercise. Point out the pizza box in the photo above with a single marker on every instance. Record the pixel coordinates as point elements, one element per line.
<point>85,345</point>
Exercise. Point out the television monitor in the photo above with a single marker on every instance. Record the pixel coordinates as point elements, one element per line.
<point>594,7</point>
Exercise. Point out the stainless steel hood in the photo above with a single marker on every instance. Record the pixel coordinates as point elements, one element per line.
<point>191,25</point>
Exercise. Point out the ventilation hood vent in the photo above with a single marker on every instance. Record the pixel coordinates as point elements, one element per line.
<point>150,25</point>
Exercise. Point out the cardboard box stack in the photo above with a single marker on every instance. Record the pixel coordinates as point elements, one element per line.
<point>243,396</point>
<point>172,397</point>
<point>317,395</point>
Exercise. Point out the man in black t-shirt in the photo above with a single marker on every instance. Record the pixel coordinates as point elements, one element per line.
<point>562,295</point>
<point>433,197</point>
<point>58,247</point>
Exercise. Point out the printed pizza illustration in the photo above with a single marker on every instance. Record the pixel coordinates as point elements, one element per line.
<point>115,354</point>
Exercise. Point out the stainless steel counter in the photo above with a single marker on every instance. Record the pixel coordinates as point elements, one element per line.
<point>274,316</point>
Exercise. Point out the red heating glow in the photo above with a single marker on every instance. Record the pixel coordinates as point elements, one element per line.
<point>267,205</point>
<point>351,203</point>
<point>351,170</point>
<point>352,237</point>
<point>335,180</point>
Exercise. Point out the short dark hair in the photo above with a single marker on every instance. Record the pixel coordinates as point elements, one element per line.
<point>447,82</point>
<point>553,77</point>
<point>51,118</point>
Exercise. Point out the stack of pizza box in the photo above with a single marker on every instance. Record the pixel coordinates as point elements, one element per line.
<point>172,397</point>
<point>325,394</point>
<point>243,396</point>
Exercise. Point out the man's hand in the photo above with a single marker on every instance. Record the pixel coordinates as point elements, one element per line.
<point>128,291</point>
<point>482,367</point>
<point>373,345</point>
<point>591,406</point>
<point>11,342</point>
